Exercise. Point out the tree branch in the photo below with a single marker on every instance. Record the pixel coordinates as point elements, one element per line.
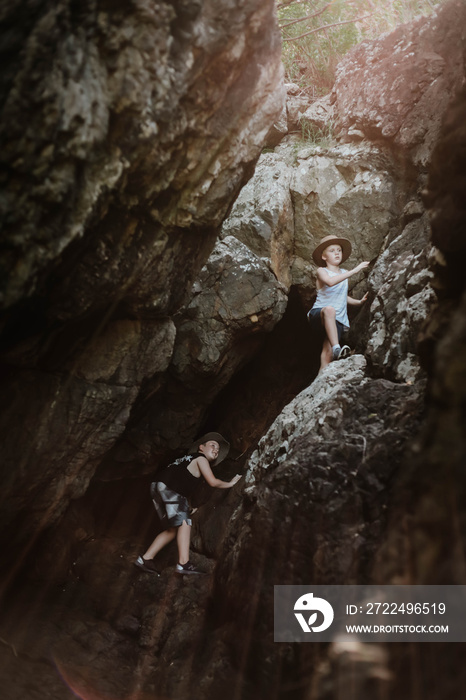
<point>286,3</point>
<point>327,26</point>
<point>304,19</point>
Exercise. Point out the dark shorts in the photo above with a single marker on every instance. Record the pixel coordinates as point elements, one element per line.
<point>172,508</point>
<point>315,319</point>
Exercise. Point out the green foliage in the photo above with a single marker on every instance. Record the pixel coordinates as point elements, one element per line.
<point>311,61</point>
<point>317,136</point>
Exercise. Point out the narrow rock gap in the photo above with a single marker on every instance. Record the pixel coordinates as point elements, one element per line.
<point>121,510</point>
<point>287,362</point>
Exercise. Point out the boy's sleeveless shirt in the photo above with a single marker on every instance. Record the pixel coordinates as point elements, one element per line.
<point>336,296</point>
<point>177,477</point>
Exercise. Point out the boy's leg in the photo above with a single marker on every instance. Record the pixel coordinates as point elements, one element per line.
<point>162,539</point>
<point>183,539</point>
<point>326,354</point>
<point>328,319</point>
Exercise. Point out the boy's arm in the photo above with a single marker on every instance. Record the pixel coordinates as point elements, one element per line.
<point>324,277</point>
<point>357,302</point>
<point>207,473</point>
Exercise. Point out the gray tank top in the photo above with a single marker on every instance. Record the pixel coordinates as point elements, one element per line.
<point>336,296</point>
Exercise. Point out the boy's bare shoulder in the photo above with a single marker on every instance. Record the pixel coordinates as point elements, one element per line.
<point>322,274</point>
<point>202,461</point>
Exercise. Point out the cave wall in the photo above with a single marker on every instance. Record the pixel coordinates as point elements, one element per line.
<point>302,482</point>
<point>425,536</point>
<point>127,131</point>
<point>360,478</point>
<point>418,68</point>
<point>122,116</point>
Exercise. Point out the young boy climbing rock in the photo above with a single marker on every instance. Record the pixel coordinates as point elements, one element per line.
<point>329,312</point>
<point>171,493</point>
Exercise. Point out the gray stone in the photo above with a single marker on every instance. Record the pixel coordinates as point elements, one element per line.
<point>320,114</point>
<point>314,412</point>
<point>396,88</point>
<point>235,294</point>
<point>301,193</point>
<point>404,298</point>
<point>297,101</point>
<point>127,352</point>
<point>262,216</point>
<point>108,112</point>
<point>342,190</point>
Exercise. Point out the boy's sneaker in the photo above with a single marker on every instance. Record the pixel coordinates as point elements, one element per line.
<point>146,565</point>
<point>344,352</point>
<point>341,353</point>
<point>187,568</point>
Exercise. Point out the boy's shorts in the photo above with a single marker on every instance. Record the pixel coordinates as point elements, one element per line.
<point>315,319</point>
<point>172,508</point>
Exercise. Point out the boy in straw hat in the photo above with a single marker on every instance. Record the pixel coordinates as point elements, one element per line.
<point>171,493</point>
<point>329,312</point>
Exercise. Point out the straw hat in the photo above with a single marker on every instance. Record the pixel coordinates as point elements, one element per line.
<point>325,242</point>
<point>224,445</point>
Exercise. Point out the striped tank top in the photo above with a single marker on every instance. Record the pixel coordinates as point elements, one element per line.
<point>336,296</point>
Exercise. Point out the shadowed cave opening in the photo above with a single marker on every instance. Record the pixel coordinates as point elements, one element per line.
<point>286,363</point>
<point>81,563</point>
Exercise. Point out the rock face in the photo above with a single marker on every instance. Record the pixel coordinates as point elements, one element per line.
<point>341,190</point>
<point>438,501</point>
<point>403,299</point>
<point>263,216</point>
<point>300,193</point>
<point>396,88</point>
<point>315,504</point>
<point>236,300</point>
<point>126,134</point>
<point>142,124</point>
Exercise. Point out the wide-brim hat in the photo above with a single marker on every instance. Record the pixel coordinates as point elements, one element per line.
<point>325,242</point>
<point>223,444</point>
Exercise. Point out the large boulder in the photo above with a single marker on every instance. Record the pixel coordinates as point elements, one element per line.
<point>302,192</point>
<point>346,190</point>
<point>236,296</point>
<point>314,511</point>
<point>262,217</point>
<point>396,88</point>
<point>127,132</point>
<point>235,301</point>
<point>112,110</point>
<point>403,298</point>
